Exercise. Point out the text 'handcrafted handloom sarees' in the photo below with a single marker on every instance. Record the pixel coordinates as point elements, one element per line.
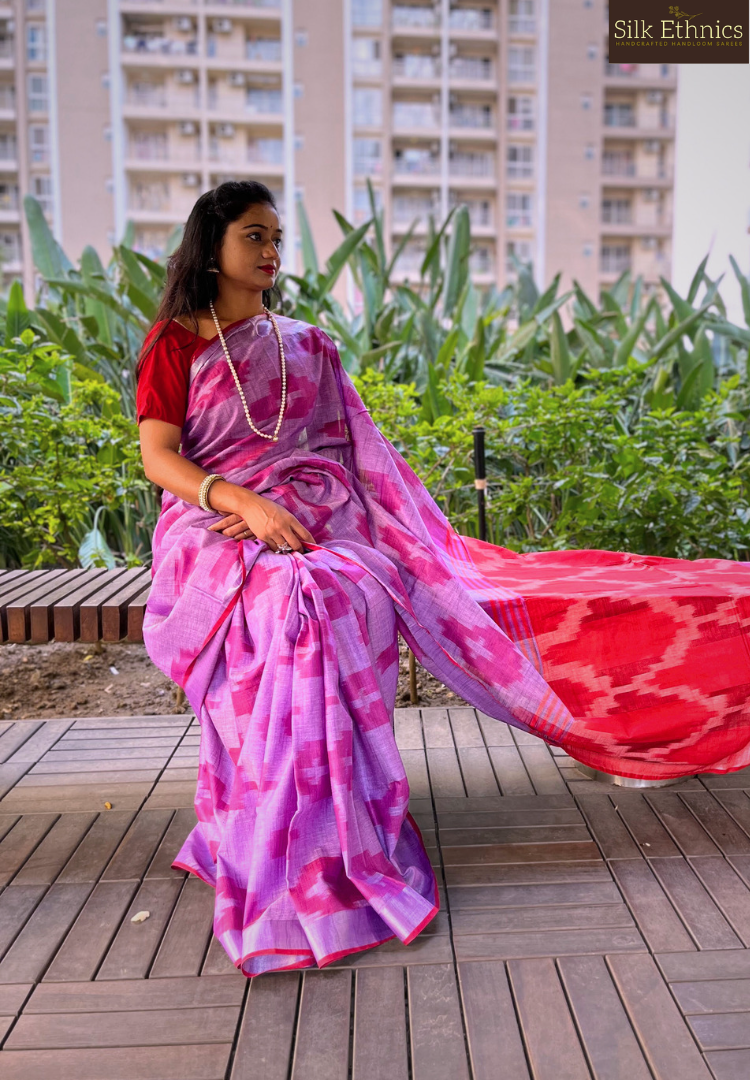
<point>291,662</point>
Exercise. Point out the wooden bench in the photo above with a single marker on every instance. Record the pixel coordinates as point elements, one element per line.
<point>73,605</point>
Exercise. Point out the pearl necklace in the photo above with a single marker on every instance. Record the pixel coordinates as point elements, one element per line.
<point>282,407</point>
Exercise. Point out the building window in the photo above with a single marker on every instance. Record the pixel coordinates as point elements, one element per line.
<point>591,52</point>
<point>584,202</point>
<point>615,258</point>
<point>617,211</point>
<point>520,162</point>
<point>618,163</point>
<point>36,43</point>
<point>518,210</point>
<point>516,249</point>
<point>520,113</point>
<point>35,5</point>
<point>8,196</point>
<point>39,143</point>
<point>7,146</point>
<point>521,64</point>
<point>368,157</point>
<point>366,57</point>
<point>522,17</point>
<point>38,93</point>
<point>361,206</point>
<point>588,250</point>
<point>101,27</point>
<point>619,114</point>
<point>41,189</point>
<point>10,248</point>
<point>589,152</point>
<point>587,101</point>
<point>367,12</point>
<point>368,107</point>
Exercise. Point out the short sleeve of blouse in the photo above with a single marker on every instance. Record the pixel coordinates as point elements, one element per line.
<point>164,375</point>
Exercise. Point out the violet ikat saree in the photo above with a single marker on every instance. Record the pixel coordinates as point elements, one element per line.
<point>291,662</point>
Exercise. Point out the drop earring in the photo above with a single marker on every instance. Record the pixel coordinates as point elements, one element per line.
<point>212,268</point>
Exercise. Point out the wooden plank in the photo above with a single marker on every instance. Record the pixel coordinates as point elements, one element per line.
<point>519,853</point>
<point>17,903</point>
<point>415,766</point>
<point>20,733</point>
<point>504,803</point>
<point>494,732</point>
<point>164,1027</point>
<point>648,832</point>
<point>697,910</point>
<point>136,612</point>
<point>478,774</point>
<point>322,1048</point>
<point>82,952</point>
<point>662,1032</point>
<point>66,622</point>
<point>204,1062</point>
<point>21,841</point>
<point>608,1038</point>
<point>687,832</point>
<point>185,942</point>
<point>654,914</point>
<point>41,620</point>
<point>510,771</point>
<point>139,846</point>
<point>445,772</point>
<point>93,997</point>
<point>495,1045</point>
<point>532,896</point>
<point>737,804</point>
<point>180,826</point>
<point>730,1064</point>
<point>45,737</point>
<point>465,728</point>
<point>114,610</point>
<point>264,1044</point>
<point>437,729</point>
<point>728,891</point>
<point>691,967</point>
<point>543,773</point>
<point>18,611</point>
<point>515,944</point>
<point>31,952</point>
<point>550,917</point>
<point>548,1031</point>
<point>97,847</point>
<point>722,1031</point>
<point>723,996</point>
<point>725,832</point>
<point>513,834</point>
<point>74,797</point>
<point>408,729</point>
<point>380,1042</point>
<point>45,863</point>
<point>438,1049</point>
<point>132,952</point>
<point>608,829</point>
<point>500,819</point>
<point>18,589</point>
<point>425,949</point>
<point>525,873</point>
<point>217,961</point>
<point>12,998</point>
<point>90,607</point>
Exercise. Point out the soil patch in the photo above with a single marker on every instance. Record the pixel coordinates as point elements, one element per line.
<point>61,679</point>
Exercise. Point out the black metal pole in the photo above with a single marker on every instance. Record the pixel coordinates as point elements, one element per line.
<point>480,481</point>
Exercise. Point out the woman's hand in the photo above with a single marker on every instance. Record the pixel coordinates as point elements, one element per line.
<point>266,520</point>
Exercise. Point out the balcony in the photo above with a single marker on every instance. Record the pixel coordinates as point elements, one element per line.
<point>407,208</point>
<point>472,19</point>
<point>416,66</point>
<point>414,161</point>
<point>615,259</point>
<point>274,4</point>
<point>259,104</point>
<point>264,49</point>
<point>472,165</point>
<point>255,154</point>
<point>471,116</point>
<point>145,99</point>
<point>617,212</point>
<point>159,45</point>
<point>415,17</point>
<point>480,212</point>
<point>157,152</point>
<point>482,261</point>
<point>521,25</point>
<point>416,114</point>
<point>7,48</point>
<point>410,260</point>
<point>619,116</point>
<point>472,68</point>
<point>616,163</point>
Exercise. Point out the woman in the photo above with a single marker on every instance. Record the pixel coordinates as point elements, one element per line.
<point>293,543</point>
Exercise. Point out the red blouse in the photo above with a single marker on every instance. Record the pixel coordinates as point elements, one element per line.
<point>164,375</point>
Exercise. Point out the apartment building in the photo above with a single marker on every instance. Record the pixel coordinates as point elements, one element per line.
<point>118,113</point>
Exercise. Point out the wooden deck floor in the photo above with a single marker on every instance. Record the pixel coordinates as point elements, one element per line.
<point>586,932</point>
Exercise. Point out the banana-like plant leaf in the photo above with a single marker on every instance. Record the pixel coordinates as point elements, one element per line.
<point>94,550</point>
<point>677,332</point>
<point>457,260</point>
<point>625,348</point>
<point>338,259</point>
<point>744,288</point>
<point>560,357</point>
<point>309,254</point>
<point>17,315</point>
<point>55,329</point>
<point>49,258</point>
<point>695,284</point>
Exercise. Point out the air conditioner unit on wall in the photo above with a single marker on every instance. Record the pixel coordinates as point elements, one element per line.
<point>187,127</point>
<point>652,146</point>
<point>651,195</point>
<point>185,75</point>
<point>221,26</point>
<point>648,243</point>
<point>225,131</point>
<point>184,24</point>
<point>236,78</point>
<point>655,97</point>
<point>190,179</point>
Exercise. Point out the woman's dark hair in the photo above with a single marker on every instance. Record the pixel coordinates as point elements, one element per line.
<point>190,284</point>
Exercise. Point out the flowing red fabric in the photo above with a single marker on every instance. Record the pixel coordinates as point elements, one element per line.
<point>650,655</point>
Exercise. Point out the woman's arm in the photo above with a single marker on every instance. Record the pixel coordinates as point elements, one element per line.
<point>250,512</point>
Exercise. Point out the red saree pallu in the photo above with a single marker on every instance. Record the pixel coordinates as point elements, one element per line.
<point>291,661</point>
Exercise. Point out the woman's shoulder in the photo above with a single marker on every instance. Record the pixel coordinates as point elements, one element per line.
<point>168,335</point>
<point>315,337</point>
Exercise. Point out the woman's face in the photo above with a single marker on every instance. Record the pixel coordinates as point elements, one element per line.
<point>250,253</point>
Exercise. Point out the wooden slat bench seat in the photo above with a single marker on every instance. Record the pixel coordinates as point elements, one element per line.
<point>73,605</point>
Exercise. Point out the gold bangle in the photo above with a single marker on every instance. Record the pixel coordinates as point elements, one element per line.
<point>204,489</point>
